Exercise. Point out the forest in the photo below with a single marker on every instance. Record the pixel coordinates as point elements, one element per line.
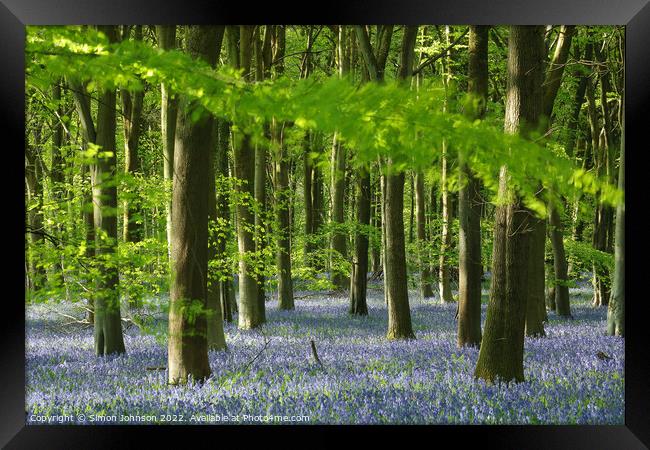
<point>334,224</point>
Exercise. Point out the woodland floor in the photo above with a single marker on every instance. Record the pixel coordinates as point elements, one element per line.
<point>363,378</point>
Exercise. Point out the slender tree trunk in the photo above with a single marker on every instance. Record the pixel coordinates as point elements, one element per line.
<point>250,313</point>
<point>188,334</point>
<point>616,307</point>
<point>168,113</point>
<point>560,266</point>
<point>223,216</point>
<point>57,176</point>
<point>375,61</point>
<point>426,289</point>
<point>444,284</point>
<point>470,270</point>
<point>108,322</point>
<point>282,192</point>
<point>216,337</point>
<point>308,197</point>
<point>34,188</point>
<point>339,240</point>
<point>358,304</point>
<point>395,280</point>
<point>552,85</point>
<point>260,222</point>
<point>412,208</point>
<point>338,244</point>
<point>502,346</point>
<point>132,103</point>
<point>89,225</point>
<point>375,254</point>
<point>215,307</point>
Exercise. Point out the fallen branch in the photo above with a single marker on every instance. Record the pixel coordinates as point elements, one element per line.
<point>315,353</point>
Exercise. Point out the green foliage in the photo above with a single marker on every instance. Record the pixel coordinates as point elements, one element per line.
<point>379,121</point>
<point>585,258</point>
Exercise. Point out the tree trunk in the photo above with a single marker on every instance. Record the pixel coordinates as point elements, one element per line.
<point>34,190</point>
<point>560,267</point>
<point>359,277</point>
<point>470,270</point>
<point>282,192</point>
<point>339,240</point>
<point>57,175</point>
<point>399,313</point>
<point>395,280</point>
<point>552,85</point>
<point>168,113</point>
<point>502,347</point>
<point>108,322</point>
<point>260,222</point>
<point>132,103</point>
<point>375,253</point>
<point>375,61</point>
<point>412,208</point>
<point>188,340</point>
<point>223,215</point>
<point>536,302</point>
<point>250,313</point>
<point>309,168</point>
<point>616,307</point>
<point>215,307</point>
<point>425,275</point>
<point>444,285</point>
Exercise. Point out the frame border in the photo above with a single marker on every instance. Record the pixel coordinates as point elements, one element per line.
<point>635,14</point>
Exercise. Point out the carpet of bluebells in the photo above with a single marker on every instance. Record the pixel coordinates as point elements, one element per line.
<point>363,379</point>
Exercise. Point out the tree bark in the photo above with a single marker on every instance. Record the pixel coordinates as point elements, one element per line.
<point>502,347</point>
<point>536,302</point>
<point>132,103</point>
<point>444,284</point>
<point>82,105</point>
<point>168,113</point>
<point>359,277</point>
<point>339,240</point>
<point>188,340</point>
<point>250,313</point>
<point>552,83</point>
<point>426,289</point>
<point>34,190</point>
<point>395,280</point>
<point>283,255</point>
<point>226,292</point>
<point>108,322</point>
<point>470,270</point>
<point>375,66</point>
<point>215,307</point>
<point>616,307</point>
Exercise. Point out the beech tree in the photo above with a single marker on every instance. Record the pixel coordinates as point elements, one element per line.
<point>168,112</point>
<point>556,229</point>
<point>502,348</point>
<point>395,284</point>
<point>250,308</point>
<point>375,65</point>
<point>338,244</point>
<point>470,270</point>
<point>188,342</point>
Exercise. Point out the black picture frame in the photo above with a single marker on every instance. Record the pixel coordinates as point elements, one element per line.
<point>635,14</point>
